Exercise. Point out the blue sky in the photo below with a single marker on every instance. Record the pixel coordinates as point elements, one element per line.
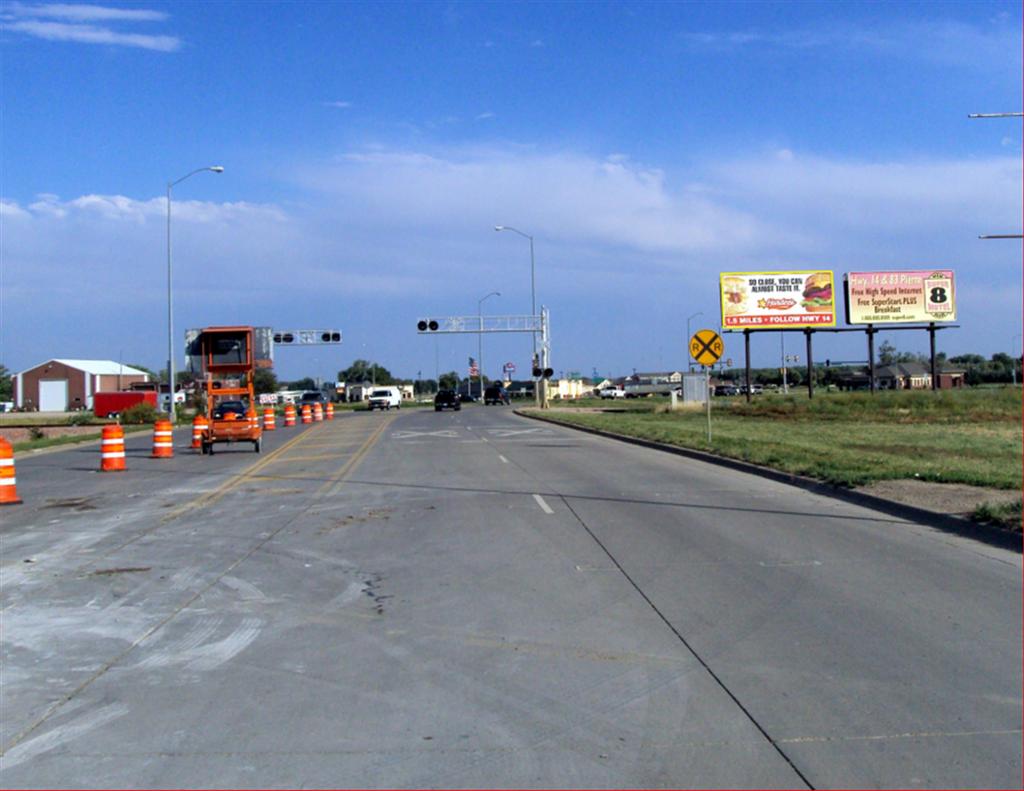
<point>370,149</point>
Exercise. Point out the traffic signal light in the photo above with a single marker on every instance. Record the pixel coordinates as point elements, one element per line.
<point>283,337</point>
<point>427,324</point>
<point>543,373</point>
<point>330,337</point>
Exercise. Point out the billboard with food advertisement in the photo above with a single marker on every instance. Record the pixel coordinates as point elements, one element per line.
<point>923,295</point>
<point>774,300</point>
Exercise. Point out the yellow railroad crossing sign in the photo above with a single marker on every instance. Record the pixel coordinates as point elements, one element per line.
<point>706,346</point>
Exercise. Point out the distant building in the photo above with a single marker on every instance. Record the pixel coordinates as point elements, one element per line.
<point>62,385</point>
<point>903,376</point>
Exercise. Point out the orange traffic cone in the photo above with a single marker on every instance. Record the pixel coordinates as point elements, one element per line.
<point>8,483</point>
<point>163,440</point>
<point>307,414</point>
<point>318,413</point>
<point>112,449</point>
<point>269,420</point>
<point>199,425</point>
<point>329,411</point>
<point>289,416</point>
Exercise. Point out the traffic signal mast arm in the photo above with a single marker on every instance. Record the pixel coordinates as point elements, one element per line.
<point>307,337</point>
<point>476,324</point>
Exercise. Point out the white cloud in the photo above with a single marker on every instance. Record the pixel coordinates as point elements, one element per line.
<point>339,105</point>
<point>596,201</point>
<point>61,22</point>
<point>997,44</point>
<point>83,13</point>
<point>385,232</point>
<point>486,116</point>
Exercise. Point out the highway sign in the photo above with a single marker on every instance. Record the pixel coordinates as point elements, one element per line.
<point>706,346</point>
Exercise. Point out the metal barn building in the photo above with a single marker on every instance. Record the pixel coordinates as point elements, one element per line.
<point>62,385</point>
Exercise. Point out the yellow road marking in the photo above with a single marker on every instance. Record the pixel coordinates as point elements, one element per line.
<point>334,483</point>
<point>322,457</point>
<point>231,483</point>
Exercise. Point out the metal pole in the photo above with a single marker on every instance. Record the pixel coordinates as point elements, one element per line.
<point>785,384</point>
<point>689,362</point>
<point>871,357</point>
<point>480,350</point>
<point>931,343</point>
<point>810,365</point>
<point>170,317</point>
<point>170,294</point>
<point>707,397</point>
<point>746,350</point>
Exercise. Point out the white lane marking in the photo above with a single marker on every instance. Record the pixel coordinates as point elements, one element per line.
<point>504,460</point>
<point>543,505</point>
<point>511,432</point>
<point>410,434</point>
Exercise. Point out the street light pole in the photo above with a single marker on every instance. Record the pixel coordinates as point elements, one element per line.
<point>533,299</point>
<point>480,339</point>
<point>689,364</point>
<point>170,292</point>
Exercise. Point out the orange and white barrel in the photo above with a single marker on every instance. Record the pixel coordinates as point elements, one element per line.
<point>199,425</point>
<point>269,420</point>
<point>8,481</point>
<point>318,413</point>
<point>112,449</point>
<point>163,440</point>
<point>253,418</point>
<point>289,415</point>
<point>329,411</point>
<point>307,414</point>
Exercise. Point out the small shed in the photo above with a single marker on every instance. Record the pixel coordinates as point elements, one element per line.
<point>62,385</point>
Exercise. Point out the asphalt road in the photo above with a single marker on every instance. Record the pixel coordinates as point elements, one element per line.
<point>473,599</point>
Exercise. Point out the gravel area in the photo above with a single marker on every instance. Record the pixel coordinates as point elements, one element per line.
<point>956,499</point>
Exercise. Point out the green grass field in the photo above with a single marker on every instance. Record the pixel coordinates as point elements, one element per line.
<point>968,436</point>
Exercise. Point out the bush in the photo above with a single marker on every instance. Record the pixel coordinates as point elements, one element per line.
<point>139,414</point>
<point>81,419</point>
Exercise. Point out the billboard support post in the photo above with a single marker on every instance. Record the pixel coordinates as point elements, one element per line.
<point>931,343</point>
<point>746,353</point>
<point>810,365</point>
<point>871,356</point>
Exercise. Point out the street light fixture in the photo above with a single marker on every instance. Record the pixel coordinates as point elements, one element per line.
<point>170,292</point>
<point>480,339</point>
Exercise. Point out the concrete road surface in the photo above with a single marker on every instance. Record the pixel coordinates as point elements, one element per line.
<point>473,599</point>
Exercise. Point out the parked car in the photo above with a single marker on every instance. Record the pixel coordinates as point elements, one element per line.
<point>726,390</point>
<point>496,394</point>
<point>385,398</point>
<point>313,397</point>
<point>612,392</point>
<point>447,399</point>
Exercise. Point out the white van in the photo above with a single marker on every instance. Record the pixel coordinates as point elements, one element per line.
<point>385,398</point>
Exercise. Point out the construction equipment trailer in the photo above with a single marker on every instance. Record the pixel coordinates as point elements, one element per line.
<point>227,368</point>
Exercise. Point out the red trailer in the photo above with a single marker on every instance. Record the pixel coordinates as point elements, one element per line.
<point>113,404</point>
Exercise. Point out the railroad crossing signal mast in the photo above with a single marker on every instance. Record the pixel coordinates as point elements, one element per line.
<point>475,325</point>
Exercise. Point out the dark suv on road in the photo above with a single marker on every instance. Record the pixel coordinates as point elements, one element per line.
<point>313,397</point>
<point>496,394</point>
<point>447,399</point>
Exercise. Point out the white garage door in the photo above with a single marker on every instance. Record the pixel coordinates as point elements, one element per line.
<point>53,395</point>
